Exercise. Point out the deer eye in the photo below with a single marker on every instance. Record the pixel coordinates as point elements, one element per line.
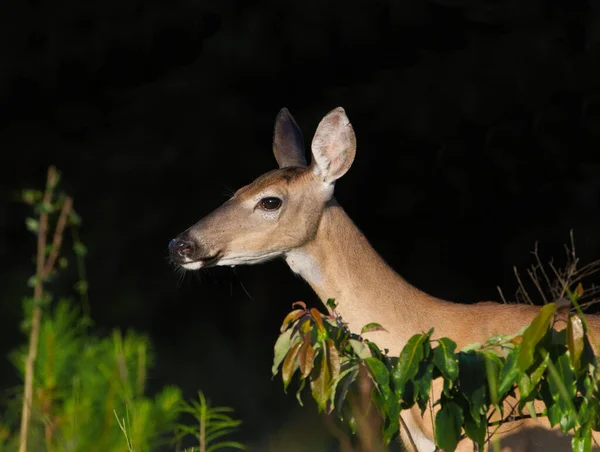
<point>270,203</point>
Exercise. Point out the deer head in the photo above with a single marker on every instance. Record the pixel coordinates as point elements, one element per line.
<point>279,211</point>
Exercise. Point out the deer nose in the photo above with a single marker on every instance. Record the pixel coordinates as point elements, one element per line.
<point>180,247</point>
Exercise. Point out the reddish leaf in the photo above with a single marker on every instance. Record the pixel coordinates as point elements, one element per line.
<point>289,364</point>
<point>318,319</point>
<point>291,318</point>
<point>306,357</point>
<point>334,359</point>
<point>299,303</point>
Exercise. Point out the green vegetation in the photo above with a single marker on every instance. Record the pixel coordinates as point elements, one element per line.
<point>558,368</point>
<point>82,392</point>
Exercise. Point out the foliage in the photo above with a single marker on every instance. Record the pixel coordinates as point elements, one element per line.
<point>86,391</point>
<point>212,423</point>
<point>557,368</point>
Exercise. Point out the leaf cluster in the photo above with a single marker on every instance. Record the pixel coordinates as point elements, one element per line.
<point>483,385</point>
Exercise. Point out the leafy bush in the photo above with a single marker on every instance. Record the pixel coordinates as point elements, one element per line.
<point>558,368</point>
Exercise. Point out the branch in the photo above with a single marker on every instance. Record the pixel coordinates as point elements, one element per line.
<point>38,293</point>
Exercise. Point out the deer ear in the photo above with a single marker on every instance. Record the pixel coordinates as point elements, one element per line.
<point>333,146</point>
<point>288,144</point>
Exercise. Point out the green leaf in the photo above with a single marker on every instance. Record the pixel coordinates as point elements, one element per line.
<point>408,362</point>
<point>582,439</point>
<point>224,444</point>
<point>346,379</point>
<point>422,384</point>
<point>448,423</point>
<point>530,380</point>
<point>289,365</point>
<point>31,196</point>
<point>34,281</point>
<point>330,303</point>
<point>445,358</point>
<point>472,381</point>
<point>370,327</point>
<point>321,385</point>
<point>32,225</point>
<point>81,287</point>
<point>360,348</point>
<point>509,374</point>
<point>379,371</point>
<point>476,430</point>
<point>80,249</point>
<point>575,335</point>
<point>74,218</point>
<point>282,347</point>
<point>533,335</point>
<point>493,364</point>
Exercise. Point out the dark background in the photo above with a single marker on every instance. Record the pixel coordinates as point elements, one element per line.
<point>478,127</point>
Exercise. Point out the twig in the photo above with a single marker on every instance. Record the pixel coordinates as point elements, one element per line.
<point>43,269</point>
<point>36,315</point>
<point>58,235</point>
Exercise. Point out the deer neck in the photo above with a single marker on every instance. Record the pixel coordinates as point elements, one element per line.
<point>340,263</point>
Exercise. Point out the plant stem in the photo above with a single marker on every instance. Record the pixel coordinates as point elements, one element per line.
<point>43,269</point>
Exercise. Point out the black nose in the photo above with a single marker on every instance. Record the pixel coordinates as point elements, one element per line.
<point>180,247</point>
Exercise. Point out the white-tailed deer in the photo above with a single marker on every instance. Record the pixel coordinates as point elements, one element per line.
<point>290,212</point>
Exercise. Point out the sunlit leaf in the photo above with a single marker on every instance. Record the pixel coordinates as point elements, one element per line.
<point>289,364</point>
<point>379,371</point>
<point>306,357</point>
<point>360,348</point>
<point>32,225</point>
<point>575,335</point>
<point>509,374</point>
<point>445,359</point>
<point>534,334</point>
<point>299,303</point>
<point>371,327</point>
<point>582,439</point>
<point>408,362</point>
<point>318,319</point>
<point>291,318</point>
<point>334,359</point>
<point>493,364</point>
<point>282,347</point>
<point>321,385</point>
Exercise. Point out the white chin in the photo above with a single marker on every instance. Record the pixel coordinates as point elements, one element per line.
<point>192,265</point>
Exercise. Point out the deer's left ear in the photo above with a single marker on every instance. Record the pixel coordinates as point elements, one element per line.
<point>333,146</point>
<point>288,144</point>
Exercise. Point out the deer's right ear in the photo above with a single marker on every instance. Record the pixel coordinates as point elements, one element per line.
<point>288,144</point>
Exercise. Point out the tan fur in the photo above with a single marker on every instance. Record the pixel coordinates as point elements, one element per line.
<point>320,242</point>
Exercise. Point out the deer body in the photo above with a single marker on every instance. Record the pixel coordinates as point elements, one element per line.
<point>291,213</point>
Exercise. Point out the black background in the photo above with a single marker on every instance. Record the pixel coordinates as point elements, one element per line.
<point>478,127</point>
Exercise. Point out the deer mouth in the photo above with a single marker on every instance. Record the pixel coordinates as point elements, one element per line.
<point>201,262</point>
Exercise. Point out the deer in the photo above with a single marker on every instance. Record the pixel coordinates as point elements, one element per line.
<point>291,213</point>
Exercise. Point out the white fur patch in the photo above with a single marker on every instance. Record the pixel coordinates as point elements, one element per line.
<point>302,263</point>
<point>192,265</point>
